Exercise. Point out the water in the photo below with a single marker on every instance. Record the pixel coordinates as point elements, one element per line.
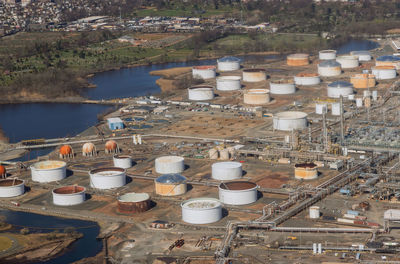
<point>29,121</point>
<point>87,246</point>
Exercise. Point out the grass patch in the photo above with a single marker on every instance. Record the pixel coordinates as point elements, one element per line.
<point>5,243</point>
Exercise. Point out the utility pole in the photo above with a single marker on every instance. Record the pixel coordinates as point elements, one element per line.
<point>341,122</point>
<point>325,132</point>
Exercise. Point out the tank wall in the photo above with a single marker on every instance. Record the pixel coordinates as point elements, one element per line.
<point>289,124</point>
<point>254,76</point>
<point>124,163</point>
<point>200,94</point>
<point>201,216</point>
<point>282,88</point>
<point>170,189</point>
<point>347,63</point>
<point>223,173</point>
<point>329,71</point>
<point>238,197</point>
<point>69,199</point>
<point>384,74</point>
<point>134,207</point>
<point>307,80</point>
<point>203,73</point>
<point>228,66</point>
<point>228,85</point>
<point>169,167</point>
<point>107,182</point>
<point>337,92</point>
<point>306,174</point>
<point>362,83</point>
<point>12,191</point>
<point>48,175</point>
<point>297,62</point>
<point>256,99</point>
<point>327,55</point>
<point>388,63</point>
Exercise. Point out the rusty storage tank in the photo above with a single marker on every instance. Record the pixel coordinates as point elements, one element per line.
<point>201,93</point>
<point>111,147</point>
<point>88,149</point>
<point>256,96</point>
<point>363,80</point>
<point>11,187</point>
<point>305,171</point>
<point>282,86</point>
<point>327,55</point>
<point>384,72</point>
<point>3,171</point>
<point>307,79</point>
<point>171,184</point>
<point>238,192</point>
<point>132,203</point>
<point>254,75</point>
<point>298,59</point>
<point>69,195</point>
<point>204,72</point>
<point>388,60</point>
<point>329,68</point>
<point>66,152</point>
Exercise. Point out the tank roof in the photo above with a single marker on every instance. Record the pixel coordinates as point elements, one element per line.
<point>133,197</point>
<point>298,56</point>
<point>72,189</point>
<point>329,63</point>
<point>109,171</point>
<point>171,178</point>
<point>10,182</point>
<point>388,58</point>
<point>201,203</point>
<point>204,67</point>
<point>291,115</point>
<point>230,78</point>
<point>339,84</point>
<point>305,165</point>
<point>254,70</point>
<point>49,165</point>
<point>306,74</point>
<point>328,51</point>
<point>228,164</point>
<point>229,59</point>
<point>257,91</point>
<point>167,159</point>
<point>237,185</point>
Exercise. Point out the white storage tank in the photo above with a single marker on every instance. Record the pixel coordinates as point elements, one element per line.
<point>254,75</point>
<point>362,55</point>
<point>388,60</point>
<point>229,83</point>
<point>69,195</point>
<point>171,184</point>
<point>329,68</point>
<point>201,93</point>
<point>204,72</point>
<point>201,211</point>
<point>384,72</point>
<point>359,102</point>
<point>169,164</point>
<point>339,88</point>
<point>307,79</point>
<point>238,192</point>
<point>336,109</point>
<point>11,188</point>
<point>282,86</point>
<point>226,171</point>
<point>290,120</point>
<point>314,212</point>
<point>348,61</point>
<point>228,64</point>
<point>374,95</point>
<point>327,54</point>
<point>48,171</point>
<point>321,108</point>
<point>122,161</point>
<point>107,178</point>
<point>256,96</point>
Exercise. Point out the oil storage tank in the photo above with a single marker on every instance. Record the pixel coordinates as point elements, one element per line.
<point>327,55</point>
<point>329,68</point>
<point>384,72</point>
<point>298,59</point>
<point>256,96</point>
<point>201,211</point>
<point>122,161</point>
<point>225,171</point>
<point>229,83</point>
<point>171,184</point>
<point>228,63</point>
<point>169,164</point>
<point>238,192</point>
<point>204,72</point>
<point>362,55</point>
<point>88,149</point>
<point>282,86</point>
<point>69,195</point>
<point>132,203</point>
<point>363,80</point>
<point>201,93</point>
<point>339,88</point>
<point>11,188</point>
<point>107,178</point>
<point>307,79</point>
<point>254,75</point>
<point>305,171</point>
<point>388,60</point>
<point>48,171</point>
<point>348,61</point>
<point>290,120</point>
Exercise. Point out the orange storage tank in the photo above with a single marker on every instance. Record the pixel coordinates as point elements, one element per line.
<point>66,150</point>
<point>363,81</point>
<point>298,59</point>
<point>3,171</point>
<point>111,147</point>
<point>305,171</point>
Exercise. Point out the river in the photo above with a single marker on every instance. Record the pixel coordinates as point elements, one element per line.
<point>87,246</point>
<point>44,120</point>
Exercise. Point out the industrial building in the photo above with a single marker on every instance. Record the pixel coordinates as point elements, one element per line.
<point>115,123</point>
